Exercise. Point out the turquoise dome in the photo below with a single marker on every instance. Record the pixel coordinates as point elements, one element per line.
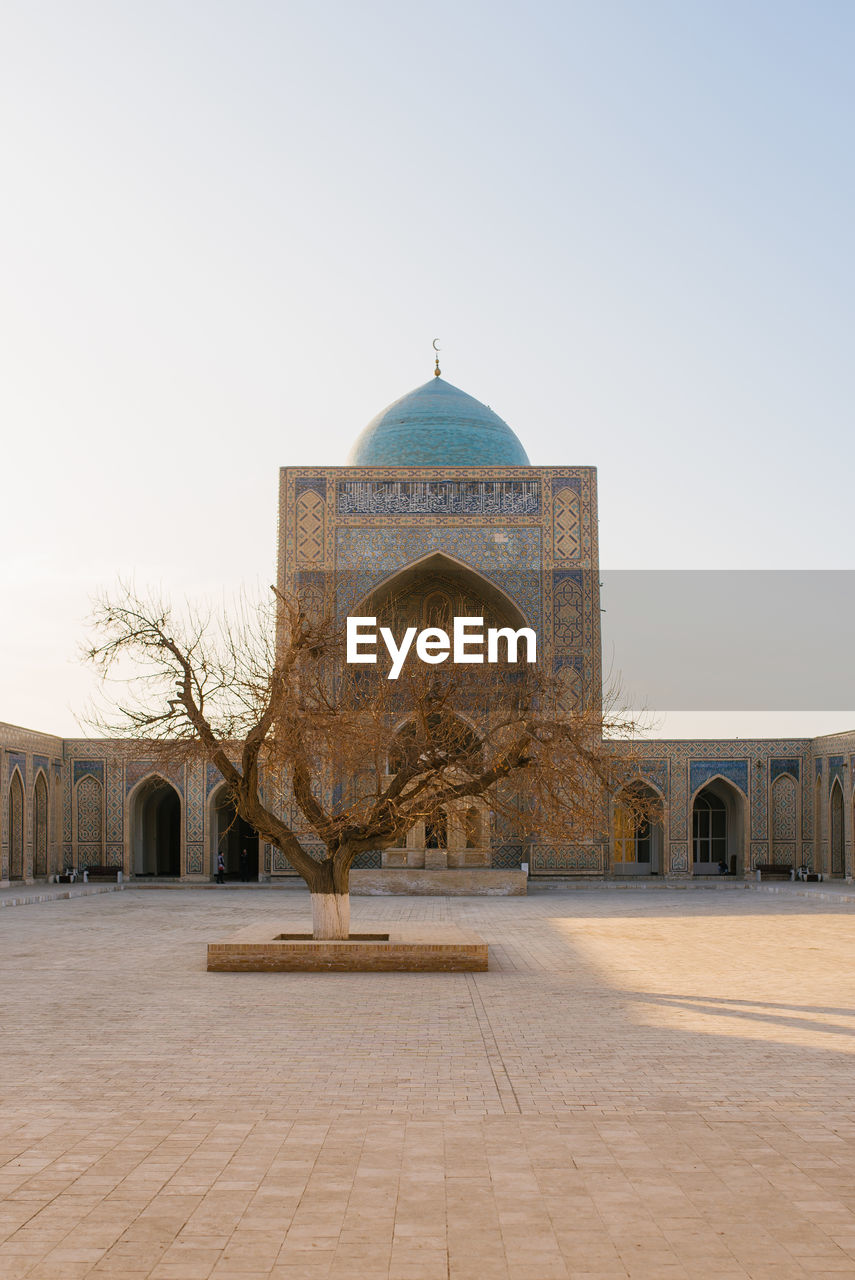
<point>437,425</point>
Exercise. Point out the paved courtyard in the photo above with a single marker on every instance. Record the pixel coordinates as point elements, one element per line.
<point>645,1084</point>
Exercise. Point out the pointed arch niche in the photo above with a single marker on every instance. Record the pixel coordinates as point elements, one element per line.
<point>785,819</point>
<point>836,830</point>
<point>40,827</point>
<point>16,827</point>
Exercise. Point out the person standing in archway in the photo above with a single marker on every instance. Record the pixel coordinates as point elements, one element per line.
<point>221,868</point>
<point>244,865</point>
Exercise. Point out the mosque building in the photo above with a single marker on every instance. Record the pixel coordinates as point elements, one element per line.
<point>438,499</point>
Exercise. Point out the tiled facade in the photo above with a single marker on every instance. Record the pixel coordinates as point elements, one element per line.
<point>526,533</point>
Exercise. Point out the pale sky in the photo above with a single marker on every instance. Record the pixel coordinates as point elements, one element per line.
<point>229,232</point>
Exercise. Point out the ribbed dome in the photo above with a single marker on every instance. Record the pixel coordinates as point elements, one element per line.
<point>437,425</point>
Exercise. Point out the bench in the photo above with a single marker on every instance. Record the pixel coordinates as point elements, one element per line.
<point>103,873</point>
<point>774,870</point>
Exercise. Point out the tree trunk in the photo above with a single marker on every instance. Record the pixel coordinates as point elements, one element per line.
<point>331,901</point>
<point>330,915</point>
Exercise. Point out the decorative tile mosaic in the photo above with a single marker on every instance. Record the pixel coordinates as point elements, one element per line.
<point>40,825</point>
<point>195,858</point>
<point>703,771</point>
<point>507,857</point>
<point>87,768</point>
<point>16,825</point>
<point>311,527</point>
<point>679,858</point>
<point>784,808</point>
<point>194,802</point>
<point>136,770</point>
<point>89,795</point>
<point>438,497</point>
<point>759,853</point>
<point>370,860</point>
<point>567,610</point>
<point>566,525</point>
<point>510,559</point>
<point>791,765</point>
<point>567,857</point>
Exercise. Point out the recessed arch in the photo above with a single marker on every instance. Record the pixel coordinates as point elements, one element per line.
<point>638,829</point>
<point>718,827</point>
<point>154,823</point>
<point>16,825</point>
<point>472,835</point>
<point>438,565</point>
<point>836,830</point>
<point>40,826</point>
<point>230,834</point>
<point>461,734</point>
<point>784,823</point>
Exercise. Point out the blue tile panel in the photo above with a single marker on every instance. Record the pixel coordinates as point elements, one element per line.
<point>701,771</point>
<point>777,767</point>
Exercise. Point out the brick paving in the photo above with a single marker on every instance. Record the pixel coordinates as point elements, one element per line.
<point>644,1084</point>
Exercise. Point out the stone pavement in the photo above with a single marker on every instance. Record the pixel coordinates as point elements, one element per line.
<point>645,1085</point>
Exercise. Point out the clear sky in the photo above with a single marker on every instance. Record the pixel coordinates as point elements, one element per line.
<point>230,231</point>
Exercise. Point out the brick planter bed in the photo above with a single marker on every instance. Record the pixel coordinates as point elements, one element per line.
<point>417,948</point>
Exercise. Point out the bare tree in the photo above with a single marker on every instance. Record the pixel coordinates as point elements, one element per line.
<point>312,746</point>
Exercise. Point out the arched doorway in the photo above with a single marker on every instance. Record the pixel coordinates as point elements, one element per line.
<point>16,827</point>
<point>156,829</point>
<point>638,834</point>
<point>718,829</point>
<point>231,835</point>
<point>436,831</point>
<point>837,830</point>
<point>40,828</point>
<point>431,592</point>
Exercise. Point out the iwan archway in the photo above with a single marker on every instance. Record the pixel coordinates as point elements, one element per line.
<point>638,832</point>
<point>718,829</point>
<point>155,827</point>
<point>231,836</point>
<point>431,591</point>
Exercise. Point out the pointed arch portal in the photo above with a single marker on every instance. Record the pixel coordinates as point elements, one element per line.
<point>231,835</point>
<point>718,829</point>
<point>156,829</point>
<point>639,842</point>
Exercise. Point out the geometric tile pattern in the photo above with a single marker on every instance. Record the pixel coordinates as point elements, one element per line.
<point>566,525</point>
<point>510,558</point>
<point>311,510</point>
<point>115,803</point>
<point>507,857</point>
<point>736,771</point>
<point>90,810</point>
<point>40,826</point>
<point>16,826</point>
<point>784,811</point>
<point>679,857</point>
<point>567,857</point>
